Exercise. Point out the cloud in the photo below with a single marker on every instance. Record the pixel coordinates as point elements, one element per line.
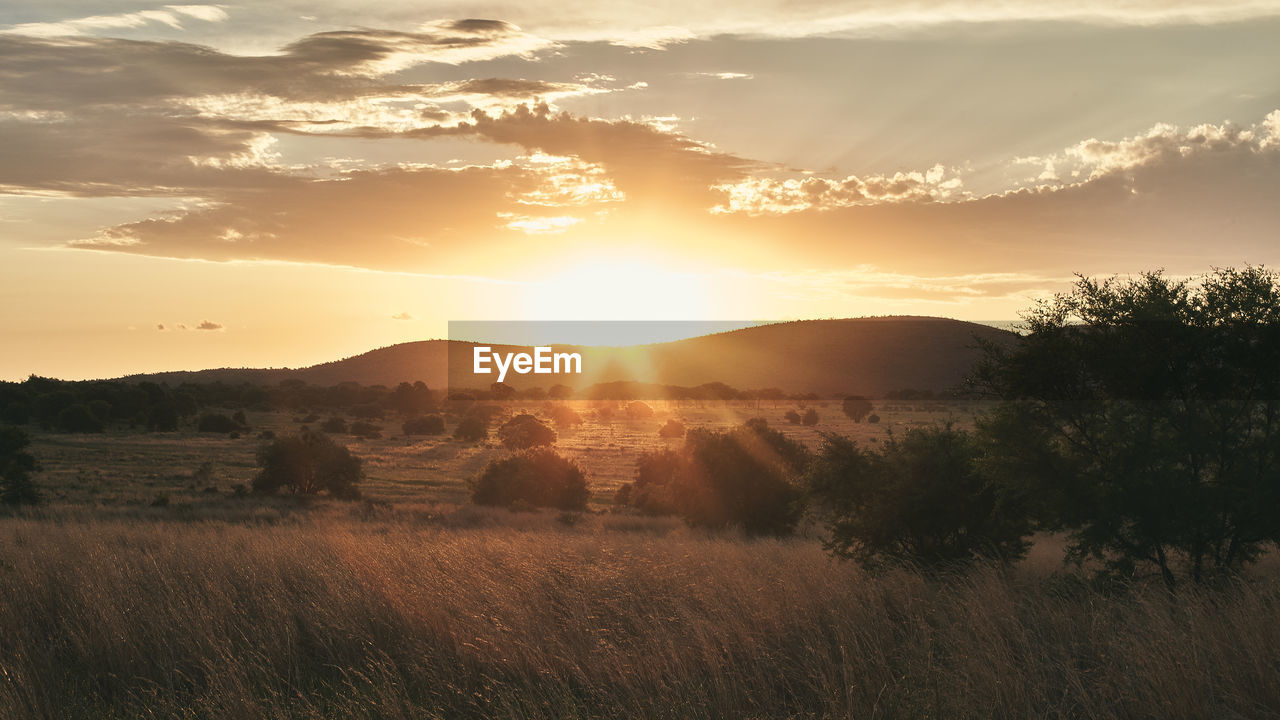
<point>160,326</point>
<point>757,196</point>
<point>871,282</point>
<point>209,325</point>
<point>402,316</point>
<point>170,15</point>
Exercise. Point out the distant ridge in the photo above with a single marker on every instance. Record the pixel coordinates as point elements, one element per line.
<point>870,356</point>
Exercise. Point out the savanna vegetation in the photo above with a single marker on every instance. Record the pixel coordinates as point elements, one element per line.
<point>1087,530</point>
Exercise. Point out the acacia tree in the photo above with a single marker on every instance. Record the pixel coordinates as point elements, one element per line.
<point>1145,413</point>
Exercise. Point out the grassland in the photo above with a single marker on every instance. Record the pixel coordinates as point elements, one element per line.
<point>414,604</point>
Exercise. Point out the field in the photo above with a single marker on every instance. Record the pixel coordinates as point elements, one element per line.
<point>145,588</point>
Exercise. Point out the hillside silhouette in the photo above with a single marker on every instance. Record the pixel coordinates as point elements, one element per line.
<point>870,356</point>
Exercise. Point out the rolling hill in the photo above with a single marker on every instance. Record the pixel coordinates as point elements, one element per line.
<point>870,356</point>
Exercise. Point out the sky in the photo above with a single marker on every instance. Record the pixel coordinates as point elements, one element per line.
<point>286,183</point>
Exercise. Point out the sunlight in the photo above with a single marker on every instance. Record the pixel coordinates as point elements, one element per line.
<point>619,288</point>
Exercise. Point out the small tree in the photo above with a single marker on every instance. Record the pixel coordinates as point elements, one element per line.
<point>810,417</point>
<point>525,431</point>
<point>16,467</point>
<point>334,425</point>
<point>856,407</point>
<point>307,464</point>
<point>923,498</point>
<point>538,477</point>
<point>78,418</point>
<point>792,417</point>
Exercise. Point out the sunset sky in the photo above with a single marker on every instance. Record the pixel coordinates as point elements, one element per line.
<point>285,183</point>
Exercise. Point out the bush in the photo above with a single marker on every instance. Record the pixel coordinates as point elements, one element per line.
<point>334,425</point>
<point>792,417</point>
<point>922,499</point>
<point>525,431</point>
<point>307,464</point>
<point>856,407</point>
<point>742,477</point>
<point>672,429</point>
<point>810,417</point>
<point>538,476</point>
<point>873,418</point>
<point>472,428</point>
<point>216,423</point>
<point>365,430</point>
<point>16,467</point>
<point>424,425</point>
<point>563,416</point>
<point>637,410</point>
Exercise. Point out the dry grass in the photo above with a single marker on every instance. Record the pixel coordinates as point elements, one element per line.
<point>394,615</point>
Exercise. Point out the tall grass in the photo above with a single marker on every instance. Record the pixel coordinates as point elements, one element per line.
<point>338,617</point>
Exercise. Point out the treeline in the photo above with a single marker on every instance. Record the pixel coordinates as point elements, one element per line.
<point>96,405</point>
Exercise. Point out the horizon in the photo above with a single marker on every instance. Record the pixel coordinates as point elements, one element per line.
<point>206,186</point>
<point>643,340</point>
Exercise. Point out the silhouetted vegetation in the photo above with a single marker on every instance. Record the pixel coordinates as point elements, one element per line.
<point>307,464</point>
<point>525,431</point>
<point>792,417</point>
<point>856,407</point>
<point>810,418</point>
<point>538,477</point>
<point>744,477</point>
<point>922,498</point>
<point>217,423</point>
<point>671,429</point>
<point>1146,415</point>
<point>16,468</point>
<point>424,425</point>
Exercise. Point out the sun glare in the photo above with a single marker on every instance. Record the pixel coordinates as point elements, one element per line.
<point>620,289</point>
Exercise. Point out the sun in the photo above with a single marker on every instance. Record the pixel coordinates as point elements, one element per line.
<point>620,288</point>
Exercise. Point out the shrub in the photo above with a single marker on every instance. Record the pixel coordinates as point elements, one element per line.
<point>240,419</point>
<point>792,417</point>
<point>307,464</point>
<point>525,431</point>
<point>216,423</point>
<point>367,411</point>
<point>564,416</point>
<point>424,425</point>
<point>672,429</point>
<point>856,407</point>
<point>637,410</point>
<point>366,430</point>
<point>810,417</point>
<point>334,425</point>
<point>16,467</point>
<point>873,418</point>
<point>740,477</point>
<point>921,499</point>
<point>472,428</point>
<point>538,476</point>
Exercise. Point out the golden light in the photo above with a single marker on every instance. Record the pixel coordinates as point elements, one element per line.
<point>620,288</point>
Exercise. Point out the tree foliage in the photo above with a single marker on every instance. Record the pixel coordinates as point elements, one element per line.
<point>537,476</point>
<point>525,431</point>
<point>307,464</point>
<point>922,498</point>
<point>1146,415</point>
<point>16,468</point>
<point>856,407</point>
<point>742,477</point>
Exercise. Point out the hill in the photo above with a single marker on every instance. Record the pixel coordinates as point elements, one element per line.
<point>870,356</point>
